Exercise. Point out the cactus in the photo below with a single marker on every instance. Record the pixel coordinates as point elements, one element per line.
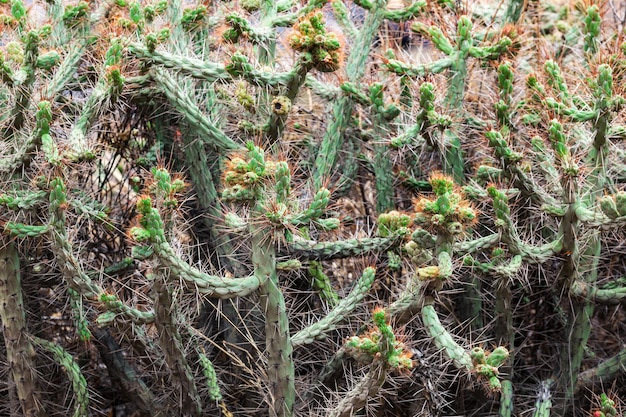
<point>480,214</point>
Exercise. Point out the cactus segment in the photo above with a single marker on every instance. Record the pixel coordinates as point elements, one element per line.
<point>315,210</point>
<point>443,340</point>
<point>543,404</point>
<point>19,350</point>
<point>211,378</point>
<point>604,371</point>
<point>591,29</point>
<point>321,283</point>
<point>22,230</point>
<point>338,313</point>
<point>72,370</point>
<point>192,113</point>
<point>340,249</point>
<point>171,344</point>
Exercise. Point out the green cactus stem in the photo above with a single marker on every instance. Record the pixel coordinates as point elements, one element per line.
<point>381,347</point>
<point>543,404</point>
<point>341,249</point>
<point>78,313</point>
<point>366,388</point>
<point>182,102</point>
<point>442,339</point>
<point>281,370</point>
<point>152,230</point>
<point>211,378</point>
<point>27,79</point>
<point>506,398</point>
<point>318,49</point>
<point>119,368</point>
<point>512,170</point>
<point>73,273</point>
<point>107,88</point>
<point>591,29</point>
<point>586,259</point>
<point>603,373</point>
<point>321,283</point>
<point>608,296</point>
<point>19,350</point>
<point>342,109</point>
<point>171,344</point>
<point>72,370</point>
<point>514,11</point>
<point>320,329</point>
<point>342,15</point>
<point>456,62</point>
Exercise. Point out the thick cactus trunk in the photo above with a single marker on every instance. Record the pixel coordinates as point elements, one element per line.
<point>20,351</point>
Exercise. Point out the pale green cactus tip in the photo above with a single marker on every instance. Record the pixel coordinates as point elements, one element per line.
<point>150,223</point>
<point>449,212</point>
<point>164,187</point>
<point>76,14</point>
<point>245,174</point>
<point>486,365</point>
<point>324,49</point>
<point>243,96</point>
<point>194,17</point>
<point>379,341</point>
<point>592,22</point>
<point>608,205</point>
<point>394,222</point>
<point>607,407</point>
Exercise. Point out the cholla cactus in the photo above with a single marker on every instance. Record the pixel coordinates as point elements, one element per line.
<point>239,284</point>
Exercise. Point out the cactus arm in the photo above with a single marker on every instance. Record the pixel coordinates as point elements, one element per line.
<point>512,170</point>
<point>514,11</point>
<point>72,271</point>
<point>96,103</point>
<point>78,313</point>
<point>342,109</point>
<point>281,370</point>
<point>340,249</point>
<point>588,261</point>
<point>543,404</point>
<point>610,296</point>
<point>357,397</point>
<point>442,339</point>
<point>406,13</point>
<point>276,123</point>
<point>420,70</point>
<point>171,344</point>
<point>337,314</point>
<point>72,370</point>
<point>212,285</point>
<point>467,247</point>
<point>504,331</point>
<point>321,283</point>
<point>342,15</point>
<point>603,373</point>
<point>192,113</point>
<point>152,229</point>
<point>119,369</point>
<point>201,70</point>
<point>506,399</point>
<point>24,92</point>
<point>386,352</point>
<point>19,350</point>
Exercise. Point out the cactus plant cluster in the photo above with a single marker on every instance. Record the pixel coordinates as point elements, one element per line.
<point>167,197</point>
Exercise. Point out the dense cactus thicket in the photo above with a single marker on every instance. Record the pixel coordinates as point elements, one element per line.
<point>322,208</point>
